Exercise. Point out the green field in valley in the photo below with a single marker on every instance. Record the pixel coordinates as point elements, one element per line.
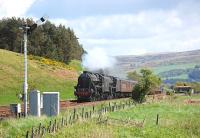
<point>182,76</point>
<point>164,68</point>
<point>43,74</point>
<point>167,68</point>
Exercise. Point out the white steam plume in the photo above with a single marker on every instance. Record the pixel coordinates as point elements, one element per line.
<point>96,59</point>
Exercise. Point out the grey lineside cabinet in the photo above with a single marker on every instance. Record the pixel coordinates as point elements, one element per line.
<point>51,104</point>
<point>35,103</point>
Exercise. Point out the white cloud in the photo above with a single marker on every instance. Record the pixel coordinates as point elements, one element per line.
<point>146,31</point>
<point>18,8</point>
<point>139,33</point>
<point>140,25</point>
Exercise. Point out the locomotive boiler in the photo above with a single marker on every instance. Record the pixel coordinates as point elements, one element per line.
<point>97,86</point>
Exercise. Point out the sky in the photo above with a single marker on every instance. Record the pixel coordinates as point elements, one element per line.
<point>120,27</point>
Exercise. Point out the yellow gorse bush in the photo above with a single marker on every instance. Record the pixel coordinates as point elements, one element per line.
<point>50,62</point>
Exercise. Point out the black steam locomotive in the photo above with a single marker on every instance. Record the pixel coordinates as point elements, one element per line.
<point>97,86</point>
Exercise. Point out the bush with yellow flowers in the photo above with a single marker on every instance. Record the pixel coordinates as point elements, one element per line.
<point>50,62</point>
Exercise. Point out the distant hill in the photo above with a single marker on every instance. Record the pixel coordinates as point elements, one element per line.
<point>178,64</point>
<point>43,74</point>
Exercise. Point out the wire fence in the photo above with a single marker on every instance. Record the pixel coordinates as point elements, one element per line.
<point>77,114</point>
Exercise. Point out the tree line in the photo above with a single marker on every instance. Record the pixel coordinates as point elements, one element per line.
<point>49,41</point>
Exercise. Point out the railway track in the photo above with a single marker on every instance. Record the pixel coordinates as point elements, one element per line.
<point>5,111</point>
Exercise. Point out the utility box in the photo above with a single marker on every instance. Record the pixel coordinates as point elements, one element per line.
<point>51,103</point>
<point>15,108</point>
<point>35,103</point>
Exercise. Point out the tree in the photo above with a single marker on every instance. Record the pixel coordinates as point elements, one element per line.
<point>57,43</point>
<point>147,82</point>
<point>134,76</point>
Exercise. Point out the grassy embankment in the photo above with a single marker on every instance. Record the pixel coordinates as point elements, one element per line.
<point>43,74</point>
<point>18,127</point>
<point>176,119</point>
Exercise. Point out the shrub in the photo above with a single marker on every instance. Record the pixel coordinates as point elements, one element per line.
<point>147,82</point>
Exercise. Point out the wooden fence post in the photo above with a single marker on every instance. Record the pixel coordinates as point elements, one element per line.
<point>55,125</point>
<point>113,108</point>
<point>49,128</point>
<point>157,117</point>
<point>39,129</point>
<point>43,131</point>
<point>109,107</point>
<point>27,133</point>
<point>74,114</point>
<point>90,114</point>
<point>93,109</point>
<point>62,122</point>
<point>82,112</point>
<point>32,133</point>
<point>70,122</point>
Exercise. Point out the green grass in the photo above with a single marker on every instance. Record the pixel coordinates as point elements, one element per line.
<point>17,127</point>
<point>41,76</point>
<point>176,119</point>
<point>76,65</point>
<point>12,127</point>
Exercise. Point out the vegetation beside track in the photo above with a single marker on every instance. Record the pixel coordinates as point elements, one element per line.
<point>18,127</point>
<point>177,118</point>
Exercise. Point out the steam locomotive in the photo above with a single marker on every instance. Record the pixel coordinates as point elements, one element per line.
<point>97,86</point>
